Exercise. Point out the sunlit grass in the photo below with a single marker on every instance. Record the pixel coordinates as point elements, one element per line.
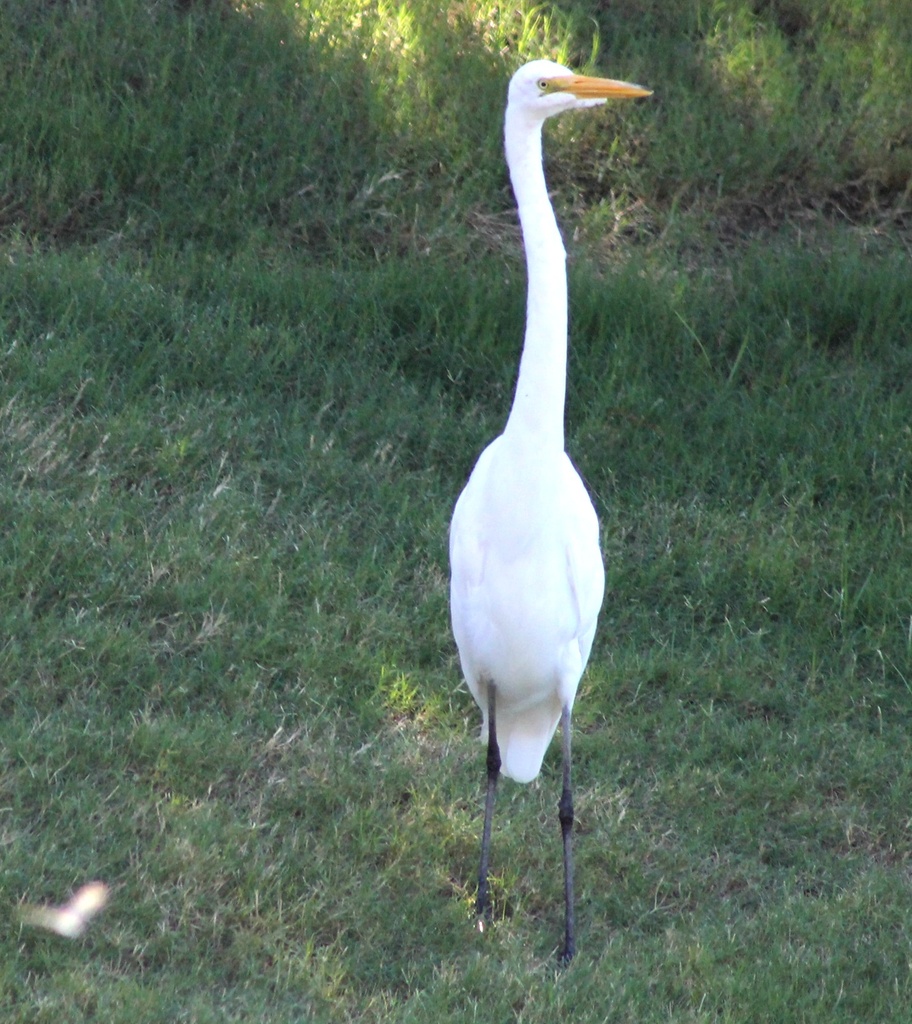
<point>759,114</point>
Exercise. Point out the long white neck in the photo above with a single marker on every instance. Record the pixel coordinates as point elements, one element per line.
<point>538,405</point>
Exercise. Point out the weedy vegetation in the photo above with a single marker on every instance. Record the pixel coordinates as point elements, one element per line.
<point>261,301</point>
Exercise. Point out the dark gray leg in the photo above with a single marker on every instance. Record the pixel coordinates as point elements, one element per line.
<point>482,905</point>
<point>565,814</point>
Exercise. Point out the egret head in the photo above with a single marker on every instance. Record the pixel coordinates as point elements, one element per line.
<point>543,88</point>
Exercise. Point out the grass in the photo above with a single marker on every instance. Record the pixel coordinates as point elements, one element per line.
<point>261,305</point>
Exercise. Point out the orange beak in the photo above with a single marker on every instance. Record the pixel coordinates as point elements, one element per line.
<point>585,87</point>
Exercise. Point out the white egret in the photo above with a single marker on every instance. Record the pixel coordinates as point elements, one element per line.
<point>527,577</point>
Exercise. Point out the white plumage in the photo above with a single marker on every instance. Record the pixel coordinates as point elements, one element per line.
<point>527,578</point>
<point>527,583</point>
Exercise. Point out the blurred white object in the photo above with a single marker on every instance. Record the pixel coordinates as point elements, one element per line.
<point>71,918</point>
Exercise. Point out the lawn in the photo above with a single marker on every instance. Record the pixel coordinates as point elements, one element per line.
<point>261,304</point>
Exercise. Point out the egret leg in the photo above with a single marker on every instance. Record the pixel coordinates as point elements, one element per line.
<point>482,904</point>
<point>565,815</point>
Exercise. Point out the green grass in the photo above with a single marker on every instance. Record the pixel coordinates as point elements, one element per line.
<point>260,308</point>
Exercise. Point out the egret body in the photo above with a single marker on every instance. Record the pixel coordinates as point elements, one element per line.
<point>527,578</point>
